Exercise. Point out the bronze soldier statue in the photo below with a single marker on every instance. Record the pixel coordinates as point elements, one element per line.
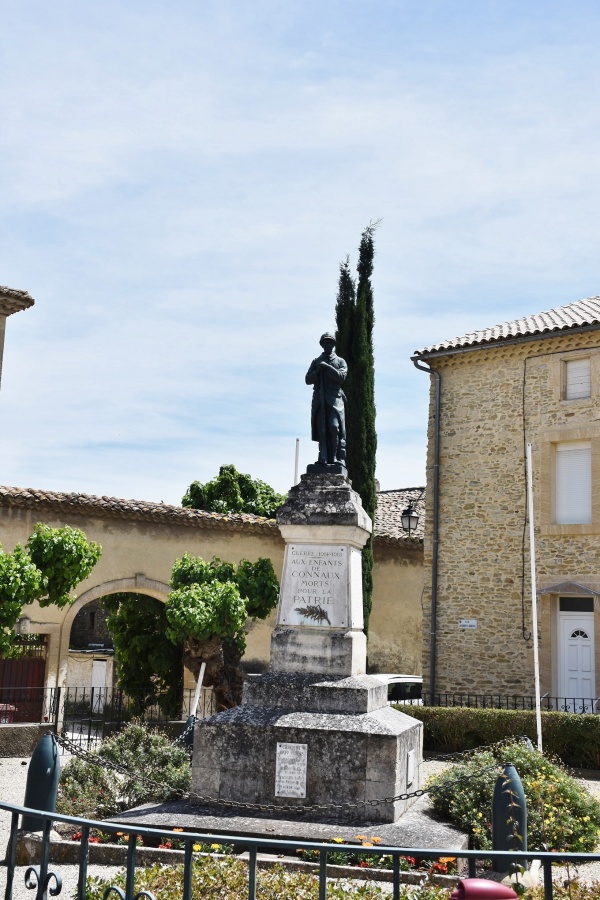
<point>328,416</point>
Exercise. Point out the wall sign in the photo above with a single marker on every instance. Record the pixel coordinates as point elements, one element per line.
<point>467,623</point>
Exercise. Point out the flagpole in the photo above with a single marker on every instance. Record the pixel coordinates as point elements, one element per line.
<point>534,626</point>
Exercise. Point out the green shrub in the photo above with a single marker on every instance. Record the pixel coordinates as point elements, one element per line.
<point>87,791</point>
<point>85,786</point>
<point>572,737</point>
<point>147,753</point>
<point>227,879</point>
<point>560,813</point>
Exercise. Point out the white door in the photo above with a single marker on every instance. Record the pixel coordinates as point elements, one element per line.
<point>98,685</point>
<point>577,678</point>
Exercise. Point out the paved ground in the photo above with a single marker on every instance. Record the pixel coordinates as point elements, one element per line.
<point>13,775</point>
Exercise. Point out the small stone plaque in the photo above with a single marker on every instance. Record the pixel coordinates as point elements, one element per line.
<point>290,770</point>
<point>314,587</point>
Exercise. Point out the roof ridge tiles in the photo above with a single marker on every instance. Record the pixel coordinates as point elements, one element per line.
<point>581,314</point>
<point>388,528</point>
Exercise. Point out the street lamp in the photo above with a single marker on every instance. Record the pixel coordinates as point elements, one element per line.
<point>409,518</point>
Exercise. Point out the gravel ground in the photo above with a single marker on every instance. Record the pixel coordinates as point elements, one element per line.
<point>13,776</point>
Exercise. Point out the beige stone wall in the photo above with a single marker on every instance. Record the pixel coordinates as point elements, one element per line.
<point>395,623</point>
<point>138,556</point>
<point>493,401</point>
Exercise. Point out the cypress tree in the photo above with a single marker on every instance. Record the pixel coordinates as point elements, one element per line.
<point>355,319</point>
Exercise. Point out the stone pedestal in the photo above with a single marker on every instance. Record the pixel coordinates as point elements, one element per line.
<point>316,731</point>
<point>306,740</point>
<point>319,624</point>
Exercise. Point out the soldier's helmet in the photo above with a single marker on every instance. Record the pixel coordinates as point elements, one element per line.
<point>328,336</point>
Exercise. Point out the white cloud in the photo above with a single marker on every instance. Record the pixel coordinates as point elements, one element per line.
<point>180,183</point>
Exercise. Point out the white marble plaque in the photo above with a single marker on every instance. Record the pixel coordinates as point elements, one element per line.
<point>290,770</point>
<point>314,587</point>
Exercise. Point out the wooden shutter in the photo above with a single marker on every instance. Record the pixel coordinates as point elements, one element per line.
<point>574,483</point>
<point>578,379</point>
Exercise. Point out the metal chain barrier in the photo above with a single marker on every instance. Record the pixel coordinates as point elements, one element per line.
<point>96,760</point>
<point>185,732</point>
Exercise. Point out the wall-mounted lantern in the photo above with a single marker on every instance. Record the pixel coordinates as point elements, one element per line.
<point>23,625</point>
<point>409,519</point>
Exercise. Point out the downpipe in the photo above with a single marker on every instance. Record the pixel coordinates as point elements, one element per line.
<point>435,529</point>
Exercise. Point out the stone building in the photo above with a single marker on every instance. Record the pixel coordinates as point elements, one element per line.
<point>534,380</point>
<point>140,542</point>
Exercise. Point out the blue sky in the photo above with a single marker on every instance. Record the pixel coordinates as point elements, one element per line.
<point>179,182</point>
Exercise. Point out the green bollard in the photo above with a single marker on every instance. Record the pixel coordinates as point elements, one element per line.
<point>509,816</point>
<point>188,740</point>
<point>42,781</point>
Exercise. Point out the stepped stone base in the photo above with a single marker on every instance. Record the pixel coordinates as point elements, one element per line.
<point>356,748</point>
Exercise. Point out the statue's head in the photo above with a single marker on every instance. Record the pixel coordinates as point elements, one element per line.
<point>327,341</point>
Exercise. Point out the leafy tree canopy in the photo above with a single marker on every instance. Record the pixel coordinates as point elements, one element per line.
<point>53,562</point>
<point>203,620</point>
<point>214,599</point>
<point>233,492</point>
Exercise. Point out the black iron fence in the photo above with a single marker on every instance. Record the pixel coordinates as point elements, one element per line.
<point>510,701</point>
<point>43,879</point>
<point>88,715</point>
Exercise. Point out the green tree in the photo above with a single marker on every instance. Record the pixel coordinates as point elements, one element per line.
<point>148,665</point>
<point>52,564</point>
<point>233,492</point>
<point>207,610</point>
<point>203,620</point>
<point>355,319</point>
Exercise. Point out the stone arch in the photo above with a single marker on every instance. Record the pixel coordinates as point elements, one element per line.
<point>139,584</point>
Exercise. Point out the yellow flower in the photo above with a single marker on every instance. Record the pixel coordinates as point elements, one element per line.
<point>197,847</point>
<point>215,846</point>
<point>338,840</point>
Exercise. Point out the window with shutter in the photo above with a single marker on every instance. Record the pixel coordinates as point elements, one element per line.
<point>577,380</point>
<point>573,483</point>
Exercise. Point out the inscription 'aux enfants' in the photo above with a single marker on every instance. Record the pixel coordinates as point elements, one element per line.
<point>314,587</point>
<point>314,572</point>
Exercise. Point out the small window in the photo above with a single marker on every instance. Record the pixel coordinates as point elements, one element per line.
<point>573,505</point>
<point>576,604</point>
<point>577,379</point>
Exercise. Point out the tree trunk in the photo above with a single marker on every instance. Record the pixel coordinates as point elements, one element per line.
<point>223,671</point>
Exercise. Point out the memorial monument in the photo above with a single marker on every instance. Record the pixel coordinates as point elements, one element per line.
<point>316,730</point>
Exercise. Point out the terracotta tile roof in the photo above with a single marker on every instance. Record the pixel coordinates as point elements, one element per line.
<point>388,528</point>
<point>390,506</point>
<point>583,313</point>
<point>115,507</point>
<point>12,300</point>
